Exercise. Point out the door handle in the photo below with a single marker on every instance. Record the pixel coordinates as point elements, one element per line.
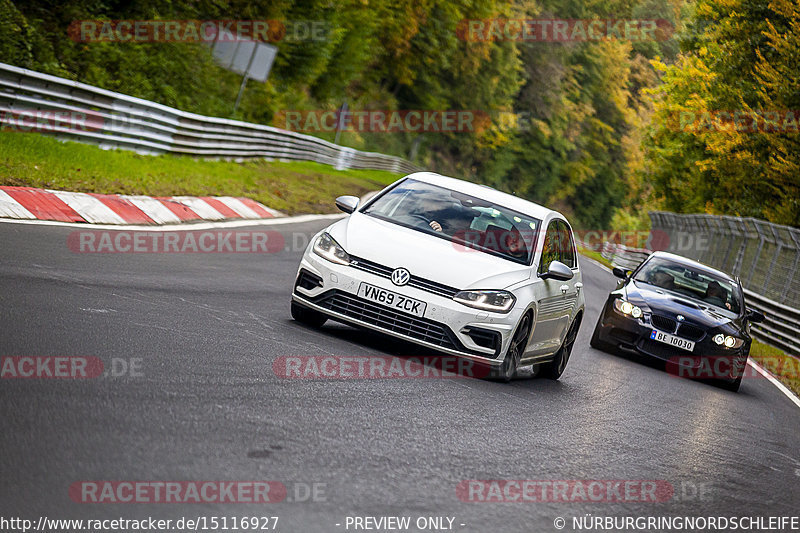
<point>564,289</point>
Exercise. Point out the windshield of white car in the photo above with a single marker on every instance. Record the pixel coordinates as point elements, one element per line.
<point>459,218</point>
<point>700,285</point>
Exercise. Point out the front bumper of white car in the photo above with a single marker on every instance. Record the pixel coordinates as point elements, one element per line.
<point>447,326</point>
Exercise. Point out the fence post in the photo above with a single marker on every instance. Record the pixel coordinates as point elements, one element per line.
<point>778,247</point>
<point>758,250</point>
<point>795,235</point>
<point>740,229</point>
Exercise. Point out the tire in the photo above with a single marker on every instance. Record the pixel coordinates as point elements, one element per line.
<point>307,316</point>
<point>508,369</point>
<point>596,342</point>
<point>556,367</point>
<point>732,386</point>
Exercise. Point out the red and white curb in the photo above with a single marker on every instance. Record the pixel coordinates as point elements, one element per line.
<point>29,203</point>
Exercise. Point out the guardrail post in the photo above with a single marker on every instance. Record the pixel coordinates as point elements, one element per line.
<point>795,235</point>
<point>737,229</point>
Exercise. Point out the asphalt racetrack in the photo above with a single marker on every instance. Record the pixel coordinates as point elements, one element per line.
<point>193,339</point>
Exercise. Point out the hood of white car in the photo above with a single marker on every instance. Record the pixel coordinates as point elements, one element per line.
<point>425,256</point>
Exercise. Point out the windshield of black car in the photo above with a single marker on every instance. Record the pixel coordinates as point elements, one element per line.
<point>703,286</point>
<point>459,218</point>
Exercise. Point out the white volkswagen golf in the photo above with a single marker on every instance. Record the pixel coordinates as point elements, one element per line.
<point>451,265</point>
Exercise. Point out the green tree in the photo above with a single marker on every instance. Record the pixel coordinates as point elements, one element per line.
<point>739,56</point>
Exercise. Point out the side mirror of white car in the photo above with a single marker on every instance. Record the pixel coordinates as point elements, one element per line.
<point>558,270</point>
<point>347,204</point>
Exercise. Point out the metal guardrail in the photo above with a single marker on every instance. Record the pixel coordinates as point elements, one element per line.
<point>624,256</point>
<point>765,256</point>
<point>119,121</point>
<point>781,327</point>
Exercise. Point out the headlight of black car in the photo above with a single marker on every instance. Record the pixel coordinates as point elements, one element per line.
<point>729,341</point>
<point>627,308</point>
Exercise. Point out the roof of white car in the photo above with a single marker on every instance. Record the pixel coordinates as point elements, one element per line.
<point>484,192</point>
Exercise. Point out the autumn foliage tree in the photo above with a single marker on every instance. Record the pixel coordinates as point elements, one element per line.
<point>741,59</point>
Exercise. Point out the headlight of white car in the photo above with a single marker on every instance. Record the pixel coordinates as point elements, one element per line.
<point>497,301</point>
<point>327,248</point>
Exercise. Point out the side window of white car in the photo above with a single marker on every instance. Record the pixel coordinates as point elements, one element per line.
<point>550,248</point>
<point>567,245</point>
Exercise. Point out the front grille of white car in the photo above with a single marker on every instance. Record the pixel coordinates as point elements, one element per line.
<point>415,281</point>
<point>386,318</point>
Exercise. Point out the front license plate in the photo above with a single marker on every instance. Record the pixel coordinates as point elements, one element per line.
<point>672,340</point>
<point>392,299</point>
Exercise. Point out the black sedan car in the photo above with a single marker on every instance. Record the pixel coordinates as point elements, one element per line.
<point>685,313</point>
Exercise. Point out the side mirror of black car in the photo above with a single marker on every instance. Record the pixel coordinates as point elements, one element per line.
<point>755,316</point>
<point>620,272</point>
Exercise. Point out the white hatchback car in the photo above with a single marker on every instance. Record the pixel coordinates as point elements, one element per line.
<point>451,265</point>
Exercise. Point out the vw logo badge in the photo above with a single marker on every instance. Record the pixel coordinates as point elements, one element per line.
<point>681,318</point>
<point>400,276</point>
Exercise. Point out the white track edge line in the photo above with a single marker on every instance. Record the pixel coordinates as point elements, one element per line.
<point>772,379</point>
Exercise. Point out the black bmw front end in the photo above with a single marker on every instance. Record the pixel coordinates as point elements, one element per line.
<point>695,340</point>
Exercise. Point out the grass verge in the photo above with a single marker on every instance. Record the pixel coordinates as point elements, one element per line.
<point>782,365</point>
<point>592,254</point>
<point>35,160</point>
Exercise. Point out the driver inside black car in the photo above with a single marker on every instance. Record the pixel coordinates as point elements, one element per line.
<point>716,295</point>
